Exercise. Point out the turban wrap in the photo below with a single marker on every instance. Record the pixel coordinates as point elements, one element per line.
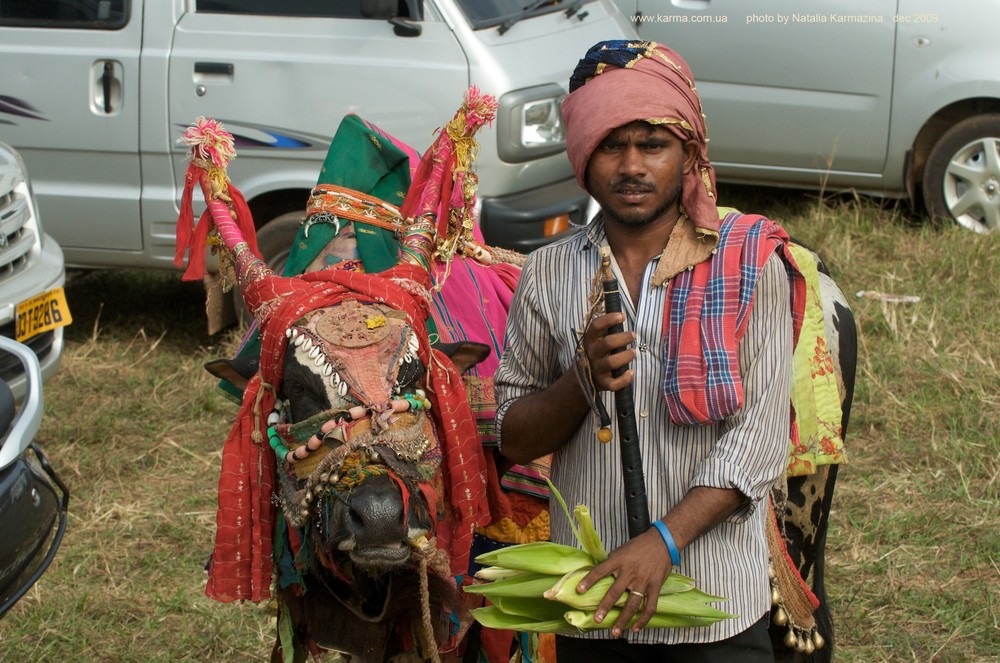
<point>618,82</point>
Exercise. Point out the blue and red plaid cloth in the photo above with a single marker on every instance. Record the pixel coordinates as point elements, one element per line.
<point>706,315</point>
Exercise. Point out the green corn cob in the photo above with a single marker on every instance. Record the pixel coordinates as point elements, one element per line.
<point>691,603</point>
<point>492,617</point>
<point>498,573</point>
<point>533,587</point>
<point>565,589</point>
<point>584,620</point>
<point>538,557</point>
<point>589,537</point>
<point>529,584</point>
<point>531,607</point>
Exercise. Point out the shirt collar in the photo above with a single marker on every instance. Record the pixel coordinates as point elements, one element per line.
<point>685,247</point>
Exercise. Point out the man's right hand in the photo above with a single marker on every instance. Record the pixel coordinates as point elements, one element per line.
<point>608,352</point>
<point>540,423</point>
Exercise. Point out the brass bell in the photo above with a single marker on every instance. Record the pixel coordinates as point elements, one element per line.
<point>818,640</point>
<point>790,639</point>
<point>780,617</point>
<point>775,596</point>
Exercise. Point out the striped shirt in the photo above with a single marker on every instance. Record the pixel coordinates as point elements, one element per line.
<point>747,451</point>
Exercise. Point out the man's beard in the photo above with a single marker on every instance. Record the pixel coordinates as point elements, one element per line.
<point>636,219</point>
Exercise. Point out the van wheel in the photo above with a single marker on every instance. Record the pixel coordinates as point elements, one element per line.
<point>275,243</point>
<point>961,179</point>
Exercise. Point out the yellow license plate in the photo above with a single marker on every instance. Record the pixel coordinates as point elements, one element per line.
<point>46,311</point>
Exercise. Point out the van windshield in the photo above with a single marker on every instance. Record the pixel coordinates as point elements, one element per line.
<point>505,13</point>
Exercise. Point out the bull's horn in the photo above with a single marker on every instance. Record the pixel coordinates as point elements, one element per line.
<point>442,194</point>
<point>212,148</point>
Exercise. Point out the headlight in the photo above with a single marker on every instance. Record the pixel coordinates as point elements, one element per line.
<point>530,124</point>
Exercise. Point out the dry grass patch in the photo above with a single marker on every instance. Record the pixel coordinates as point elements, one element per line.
<point>914,542</point>
<point>135,428</point>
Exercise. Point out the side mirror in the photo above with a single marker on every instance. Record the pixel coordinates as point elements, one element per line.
<point>403,28</point>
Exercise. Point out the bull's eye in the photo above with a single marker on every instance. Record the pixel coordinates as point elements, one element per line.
<point>409,375</point>
<point>302,386</point>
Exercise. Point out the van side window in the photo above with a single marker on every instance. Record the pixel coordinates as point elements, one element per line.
<point>77,14</point>
<point>379,9</point>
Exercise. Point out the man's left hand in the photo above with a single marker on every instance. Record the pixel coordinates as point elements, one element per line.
<point>639,568</point>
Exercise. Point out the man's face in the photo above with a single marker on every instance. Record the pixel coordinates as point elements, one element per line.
<point>636,173</point>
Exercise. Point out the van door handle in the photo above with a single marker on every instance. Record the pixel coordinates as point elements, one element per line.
<point>106,86</point>
<point>106,78</point>
<point>214,68</point>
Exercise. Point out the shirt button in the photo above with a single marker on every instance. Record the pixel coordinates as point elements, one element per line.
<point>643,347</point>
<point>643,413</point>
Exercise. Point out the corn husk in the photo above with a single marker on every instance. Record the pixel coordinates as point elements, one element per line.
<point>584,620</point>
<point>493,617</point>
<point>589,538</point>
<point>538,557</point>
<point>532,587</point>
<point>529,584</point>
<point>531,607</point>
<point>497,573</point>
<point>565,590</point>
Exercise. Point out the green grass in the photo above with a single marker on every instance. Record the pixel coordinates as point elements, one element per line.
<point>914,546</point>
<point>135,427</point>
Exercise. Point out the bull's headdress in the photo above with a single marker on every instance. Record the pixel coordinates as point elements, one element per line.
<point>441,195</point>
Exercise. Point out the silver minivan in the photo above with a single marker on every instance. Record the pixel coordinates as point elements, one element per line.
<point>33,308</point>
<point>893,97</point>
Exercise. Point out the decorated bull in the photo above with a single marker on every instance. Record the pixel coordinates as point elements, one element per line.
<point>354,476</point>
<point>363,434</point>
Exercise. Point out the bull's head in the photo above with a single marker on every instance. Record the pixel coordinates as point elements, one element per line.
<point>363,457</point>
<point>355,433</point>
<point>362,461</point>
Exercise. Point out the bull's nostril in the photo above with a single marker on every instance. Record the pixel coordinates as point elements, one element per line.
<point>375,515</point>
<point>357,522</point>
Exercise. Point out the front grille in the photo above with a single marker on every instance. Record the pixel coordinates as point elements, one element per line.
<point>16,235</point>
<point>10,365</point>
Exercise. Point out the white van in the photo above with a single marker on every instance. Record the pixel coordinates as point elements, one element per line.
<point>95,95</point>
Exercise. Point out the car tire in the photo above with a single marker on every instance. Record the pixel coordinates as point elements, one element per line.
<point>961,180</point>
<point>275,243</point>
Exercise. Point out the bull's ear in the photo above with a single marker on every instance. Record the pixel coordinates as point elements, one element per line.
<point>465,354</point>
<point>236,371</point>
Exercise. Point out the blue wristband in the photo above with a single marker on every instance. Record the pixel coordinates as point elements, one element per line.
<point>668,538</point>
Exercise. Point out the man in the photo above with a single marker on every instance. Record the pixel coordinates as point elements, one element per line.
<point>710,310</point>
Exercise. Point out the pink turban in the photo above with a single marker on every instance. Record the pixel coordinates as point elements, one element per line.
<point>619,82</point>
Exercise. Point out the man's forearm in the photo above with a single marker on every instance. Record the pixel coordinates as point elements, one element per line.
<point>540,423</point>
<point>701,509</point>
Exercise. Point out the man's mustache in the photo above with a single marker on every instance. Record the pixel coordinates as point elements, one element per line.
<point>632,185</point>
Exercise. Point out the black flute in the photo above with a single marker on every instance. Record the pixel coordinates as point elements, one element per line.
<point>636,507</point>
